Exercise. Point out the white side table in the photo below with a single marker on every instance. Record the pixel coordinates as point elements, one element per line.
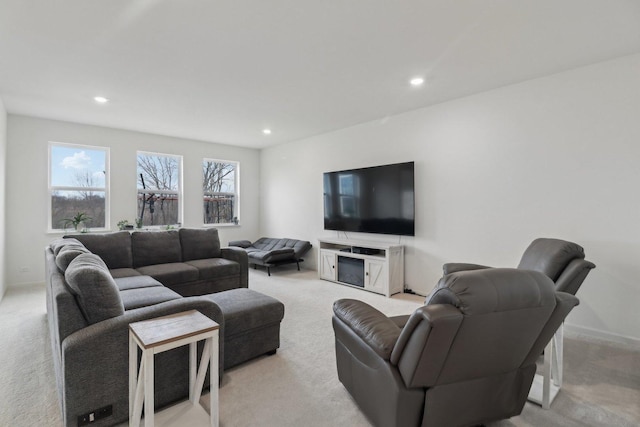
<point>162,334</point>
<point>545,386</point>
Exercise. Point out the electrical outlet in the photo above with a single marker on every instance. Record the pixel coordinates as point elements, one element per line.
<point>94,416</point>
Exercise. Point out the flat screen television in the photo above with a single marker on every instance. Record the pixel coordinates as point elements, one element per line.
<point>377,199</point>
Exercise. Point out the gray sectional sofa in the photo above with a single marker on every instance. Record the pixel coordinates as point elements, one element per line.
<point>188,261</point>
<point>99,283</point>
<point>269,252</point>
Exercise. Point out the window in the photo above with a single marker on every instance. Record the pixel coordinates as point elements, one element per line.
<point>220,191</point>
<point>78,184</point>
<point>349,193</point>
<point>159,189</point>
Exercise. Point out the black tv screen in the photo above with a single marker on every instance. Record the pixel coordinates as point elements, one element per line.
<point>377,199</point>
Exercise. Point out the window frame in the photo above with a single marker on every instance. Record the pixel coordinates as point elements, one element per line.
<point>51,188</point>
<point>236,193</point>
<point>179,191</point>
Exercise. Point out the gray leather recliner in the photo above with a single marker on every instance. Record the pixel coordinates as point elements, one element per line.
<point>562,261</point>
<point>464,358</point>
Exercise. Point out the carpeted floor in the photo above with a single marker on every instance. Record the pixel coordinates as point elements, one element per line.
<point>299,386</point>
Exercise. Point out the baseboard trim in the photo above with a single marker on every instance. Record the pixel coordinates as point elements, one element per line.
<point>25,285</point>
<point>596,335</point>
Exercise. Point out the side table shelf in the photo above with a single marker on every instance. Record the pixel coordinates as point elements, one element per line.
<point>165,333</point>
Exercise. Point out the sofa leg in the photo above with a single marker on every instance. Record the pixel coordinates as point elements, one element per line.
<point>271,353</point>
<point>269,271</point>
<point>298,262</point>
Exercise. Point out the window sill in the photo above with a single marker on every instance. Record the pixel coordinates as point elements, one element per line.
<point>68,232</point>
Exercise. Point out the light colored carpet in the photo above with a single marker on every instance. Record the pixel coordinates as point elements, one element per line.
<point>299,386</point>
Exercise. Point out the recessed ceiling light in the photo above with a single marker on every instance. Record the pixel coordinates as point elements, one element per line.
<point>266,131</point>
<point>417,81</point>
<point>100,99</point>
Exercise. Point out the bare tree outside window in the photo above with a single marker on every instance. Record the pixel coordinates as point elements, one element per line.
<point>158,189</point>
<point>78,184</point>
<point>220,192</point>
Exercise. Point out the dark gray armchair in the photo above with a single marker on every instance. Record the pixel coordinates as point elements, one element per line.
<point>464,358</point>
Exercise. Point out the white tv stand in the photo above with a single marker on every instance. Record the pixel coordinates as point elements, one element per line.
<point>372,266</point>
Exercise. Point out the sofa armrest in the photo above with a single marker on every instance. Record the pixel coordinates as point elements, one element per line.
<point>240,243</point>
<point>95,361</point>
<point>240,256</point>
<point>108,334</point>
<point>372,326</point>
<point>454,267</point>
<point>300,248</point>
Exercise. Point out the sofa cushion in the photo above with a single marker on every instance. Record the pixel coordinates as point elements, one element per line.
<point>144,297</point>
<point>215,267</point>
<point>171,273</point>
<point>67,254</point>
<point>155,247</point>
<point>245,309</point>
<point>136,282</point>
<point>199,243</point>
<point>123,272</point>
<point>113,248</point>
<point>95,290</point>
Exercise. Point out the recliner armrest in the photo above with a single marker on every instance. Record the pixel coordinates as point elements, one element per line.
<point>453,267</point>
<point>373,327</point>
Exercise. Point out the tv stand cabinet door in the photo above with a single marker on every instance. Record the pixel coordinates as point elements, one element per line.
<point>375,279</point>
<point>328,265</point>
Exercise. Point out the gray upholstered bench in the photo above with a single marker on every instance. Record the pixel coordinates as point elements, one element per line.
<point>251,324</point>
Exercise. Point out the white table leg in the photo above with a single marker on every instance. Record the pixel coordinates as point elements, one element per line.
<point>138,397</point>
<point>202,370</point>
<point>193,364</point>
<point>546,375</point>
<point>213,381</point>
<point>133,376</point>
<point>148,388</point>
<point>558,354</point>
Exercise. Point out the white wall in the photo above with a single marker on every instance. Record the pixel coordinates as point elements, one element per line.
<point>3,180</point>
<point>27,149</point>
<point>552,157</point>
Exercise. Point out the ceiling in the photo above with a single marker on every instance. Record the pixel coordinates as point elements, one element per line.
<point>223,70</point>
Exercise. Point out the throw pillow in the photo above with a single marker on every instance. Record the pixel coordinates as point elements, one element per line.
<point>60,243</point>
<point>67,254</point>
<point>95,290</point>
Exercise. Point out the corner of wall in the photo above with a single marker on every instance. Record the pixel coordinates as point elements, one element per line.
<point>3,180</point>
